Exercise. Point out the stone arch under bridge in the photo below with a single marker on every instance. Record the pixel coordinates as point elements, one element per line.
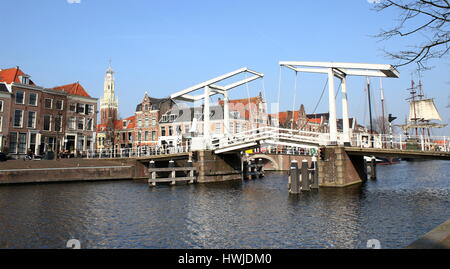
<point>273,161</point>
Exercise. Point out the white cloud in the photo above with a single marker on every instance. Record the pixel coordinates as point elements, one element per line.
<point>373,1</point>
<point>74,1</point>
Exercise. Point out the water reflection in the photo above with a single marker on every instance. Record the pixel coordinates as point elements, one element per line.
<point>406,201</point>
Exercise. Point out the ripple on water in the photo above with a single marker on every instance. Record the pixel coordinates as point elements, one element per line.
<point>405,202</point>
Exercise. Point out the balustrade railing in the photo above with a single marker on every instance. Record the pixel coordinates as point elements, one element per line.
<point>402,142</point>
<point>138,152</point>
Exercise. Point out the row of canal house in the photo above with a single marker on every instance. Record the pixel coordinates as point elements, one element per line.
<point>161,121</point>
<point>37,120</point>
<point>317,122</point>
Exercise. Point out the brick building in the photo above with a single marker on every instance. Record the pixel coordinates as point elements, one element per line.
<point>182,123</point>
<point>148,115</point>
<point>5,114</point>
<point>33,117</point>
<point>81,118</point>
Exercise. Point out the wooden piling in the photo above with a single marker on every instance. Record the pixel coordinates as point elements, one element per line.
<point>294,178</point>
<point>315,174</point>
<point>305,176</point>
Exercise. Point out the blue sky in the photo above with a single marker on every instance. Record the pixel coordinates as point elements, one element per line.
<point>165,46</point>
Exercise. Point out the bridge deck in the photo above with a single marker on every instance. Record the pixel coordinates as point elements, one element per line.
<point>417,154</point>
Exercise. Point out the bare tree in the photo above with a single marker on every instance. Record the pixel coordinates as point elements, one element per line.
<point>427,19</point>
<point>378,126</point>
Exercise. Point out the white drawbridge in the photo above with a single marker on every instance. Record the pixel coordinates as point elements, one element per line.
<point>269,136</point>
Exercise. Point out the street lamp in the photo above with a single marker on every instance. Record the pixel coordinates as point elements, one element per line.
<point>391,119</point>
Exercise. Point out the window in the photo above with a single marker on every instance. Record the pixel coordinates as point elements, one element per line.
<point>123,136</point>
<point>153,122</point>
<point>72,107</point>
<point>172,118</point>
<point>170,131</point>
<point>32,99</point>
<point>18,118</point>
<point>139,136</point>
<point>147,122</point>
<point>1,106</point>
<point>47,122</point>
<point>32,142</point>
<point>48,103</point>
<point>20,97</point>
<point>164,118</point>
<point>139,123</point>
<point>146,136</point>
<point>71,123</point>
<point>58,123</point>
<point>13,142</point>
<point>153,136</point>
<point>179,130</point>
<point>80,124</point>
<point>22,143</point>
<point>31,119</point>
<point>89,124</point>
<point>25,80</point>
<point>80,142</point>
<point>59,104</point>
<point>80,108</point>
<point>163,131</point>
<point>124,124</point>
<point>88,109</point>
<point>218,128</point>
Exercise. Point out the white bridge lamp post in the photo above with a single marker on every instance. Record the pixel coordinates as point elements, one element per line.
<point>341,71</point>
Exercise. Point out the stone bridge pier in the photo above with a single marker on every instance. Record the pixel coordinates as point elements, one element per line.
<point>338,169</point>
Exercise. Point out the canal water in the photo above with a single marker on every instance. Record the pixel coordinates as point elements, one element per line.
<point>406,201</point>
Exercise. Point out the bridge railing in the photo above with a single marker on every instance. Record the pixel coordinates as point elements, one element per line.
<point>137,152</point>
<point>272,134</point>
<point>402,142</point>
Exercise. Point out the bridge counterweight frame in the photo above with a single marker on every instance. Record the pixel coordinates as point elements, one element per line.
<point>341,71</point>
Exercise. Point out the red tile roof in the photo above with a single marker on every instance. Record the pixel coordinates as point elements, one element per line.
<point>73,89</point>
<point>101,127</point>
<point>11,75</point>
<point>282,116</point>
<point>118,124</point>
<point>315,120</point>
<point>253,100</point>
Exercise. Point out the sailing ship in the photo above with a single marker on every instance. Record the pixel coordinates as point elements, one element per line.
<point>422,113</point>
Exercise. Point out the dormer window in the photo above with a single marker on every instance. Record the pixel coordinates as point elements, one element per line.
<point>124,123</point>
<point>24,80</point>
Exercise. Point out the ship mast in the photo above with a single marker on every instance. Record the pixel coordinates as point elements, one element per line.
<point>413,92</point>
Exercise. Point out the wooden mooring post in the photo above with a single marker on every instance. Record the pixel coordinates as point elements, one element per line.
<point>304,178</point>
<point>253,169</point>
<point>372,165</point>
<point>188,171</point>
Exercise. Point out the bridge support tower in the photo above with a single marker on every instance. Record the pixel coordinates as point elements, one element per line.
<point>338,169</point>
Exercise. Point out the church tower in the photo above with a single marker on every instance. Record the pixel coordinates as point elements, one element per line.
<point>109,108</point>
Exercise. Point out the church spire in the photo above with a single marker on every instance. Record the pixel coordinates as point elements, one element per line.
<point>109,102</point>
